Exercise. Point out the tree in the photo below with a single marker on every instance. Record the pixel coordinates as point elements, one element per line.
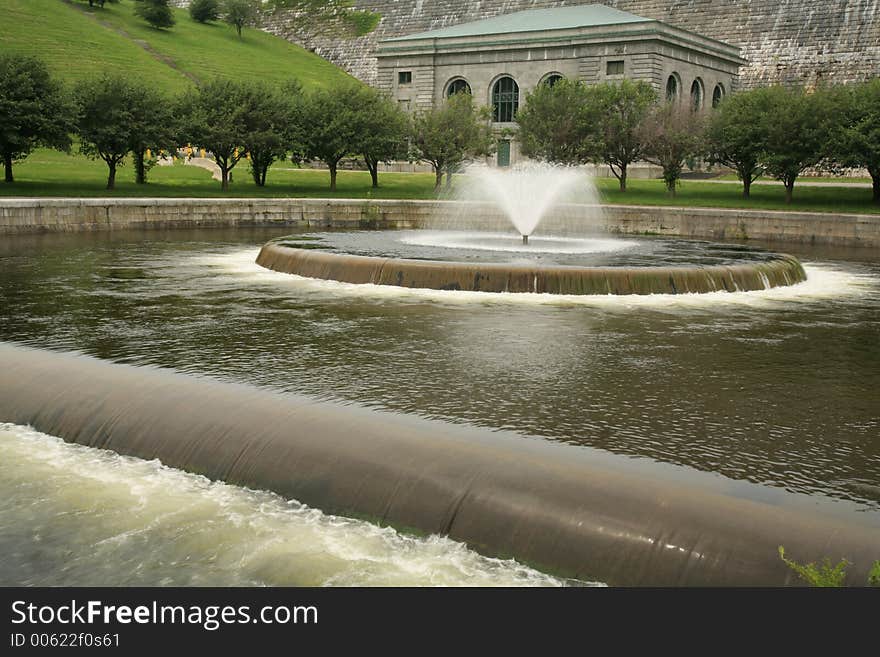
<point>34,110</point>
<point>153,128</point>
<point>382,131</point>
<point>670,135</point>
<point>272,124</point>
<point>452,133</point>
<point>204,11</point>
<point>795,127</point>
<point>856,138</point>
<point>735,135</point>
<point>618,110</point>
<point>156,12</point>
<point>327,18</point>
<point>214,117</point>
<point>333,117</point>
<point>106,120</point>
<point>241,13</point>
<point>555,124</point>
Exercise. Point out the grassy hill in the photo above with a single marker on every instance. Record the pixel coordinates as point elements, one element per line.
<point>77,42</point>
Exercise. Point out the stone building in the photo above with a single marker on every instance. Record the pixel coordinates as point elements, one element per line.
<point>500,60</point>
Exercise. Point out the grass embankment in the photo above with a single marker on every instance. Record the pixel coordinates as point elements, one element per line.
<point>49,173</point>
<point>77,42</point>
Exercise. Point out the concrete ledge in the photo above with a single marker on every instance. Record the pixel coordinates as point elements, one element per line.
<point>84,214</point>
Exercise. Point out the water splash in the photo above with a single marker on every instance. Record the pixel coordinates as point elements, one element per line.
<point>529,192</point>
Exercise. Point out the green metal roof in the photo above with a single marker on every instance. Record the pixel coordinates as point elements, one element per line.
<point>534,20</point>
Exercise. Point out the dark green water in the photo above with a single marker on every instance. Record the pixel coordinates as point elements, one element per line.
<point>779,387</point>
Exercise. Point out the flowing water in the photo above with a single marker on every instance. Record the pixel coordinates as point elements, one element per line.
<point>779,387</point>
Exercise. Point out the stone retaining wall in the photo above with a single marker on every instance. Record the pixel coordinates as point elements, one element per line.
<point>60,215</point>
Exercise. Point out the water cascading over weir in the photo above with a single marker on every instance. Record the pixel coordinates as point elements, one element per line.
<point>564,509</point>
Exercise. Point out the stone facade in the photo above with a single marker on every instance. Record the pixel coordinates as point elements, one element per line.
<point>788,41</point>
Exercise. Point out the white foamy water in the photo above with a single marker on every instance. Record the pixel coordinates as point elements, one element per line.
<point>74,515</point>
<point>824,282</point>
<point>528,191</point>
<point>503,242</point>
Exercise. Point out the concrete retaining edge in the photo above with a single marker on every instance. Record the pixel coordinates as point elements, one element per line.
<point>19,215</point>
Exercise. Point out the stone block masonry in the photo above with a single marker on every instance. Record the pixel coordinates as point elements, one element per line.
<point>789,41</point>
<point>62,215</point>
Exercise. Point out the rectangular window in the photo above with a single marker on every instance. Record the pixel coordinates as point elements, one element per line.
<point>614,68</point>
<point>404,77</point>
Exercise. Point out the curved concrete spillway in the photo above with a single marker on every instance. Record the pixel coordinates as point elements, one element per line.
<point>568,510</point>
<point>501,277</point>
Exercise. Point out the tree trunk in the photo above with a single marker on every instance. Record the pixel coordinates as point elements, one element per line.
<point>7,166</point>
<point>111,176</point>
<point>747,186</point>
<point>332,177</point>
<point>224,177</point>
<point>238,29</point>
<point>875,179</point>
<point>265,169</point>
<point>256,171</point>
<point>140,170</point>
<point>374,171</point>
<point>622,178</point>
<point>789,189</point>
<point>449,178</point>
<point>438,178</point>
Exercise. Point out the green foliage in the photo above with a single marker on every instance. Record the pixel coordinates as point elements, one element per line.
<point>670,134</point>
<point>823,575</point>
<point>794,127</point>
<point>204,11</point>
<point>452,133</point>
<point>874,574</point>
<point>335,18</point>
<point>273,123</point>
<point>735,135</point>
<point>856,137</point>
<point>34,110</point>
<point>215,117</point>
<point>241,13</point>
<point>618,110</point>
<point>156,12</point>
<point>105,123</point>
<point>555,124</point>
<point>333,118</point>
<point>382,132</point>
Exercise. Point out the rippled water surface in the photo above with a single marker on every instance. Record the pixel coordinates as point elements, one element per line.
<point>780,387</point>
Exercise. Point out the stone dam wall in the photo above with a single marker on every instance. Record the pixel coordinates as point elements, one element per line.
<point>789,41</point>
<point>83,214</point>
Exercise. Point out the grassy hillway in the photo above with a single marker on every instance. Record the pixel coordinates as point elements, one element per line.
<point>77,42</point>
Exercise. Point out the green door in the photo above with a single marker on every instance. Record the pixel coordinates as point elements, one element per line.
<point>504,153</point>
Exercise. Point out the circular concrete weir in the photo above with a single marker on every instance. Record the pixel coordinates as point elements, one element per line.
<point>492,262</point>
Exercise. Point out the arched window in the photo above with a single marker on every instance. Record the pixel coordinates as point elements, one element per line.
<point>552,79</point>
<point>697,95</point>
<point>458,86</point>
<point>672,87</point>
<point>717,95</point>
<point>505,100</point>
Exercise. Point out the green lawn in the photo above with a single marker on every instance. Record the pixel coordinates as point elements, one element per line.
<point>77,42</point>
<point>49,173</point>
<point>804,180</point>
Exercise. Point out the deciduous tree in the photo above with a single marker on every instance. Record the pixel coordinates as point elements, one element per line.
<point>856,137</point>
<point>735,135</point>
<point>796,128</point>
<point>156,12</point>
<point>618,109</point>
<point>448,135</point>
<point>241,13</point>
<point>204,11</point>
<point>670,134</point>
<point>272,123</point>
<point>555,123</point>
<point>382,132</point>
<point>34,110</point>
<point>106,120</point>
<point>215,117</point>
